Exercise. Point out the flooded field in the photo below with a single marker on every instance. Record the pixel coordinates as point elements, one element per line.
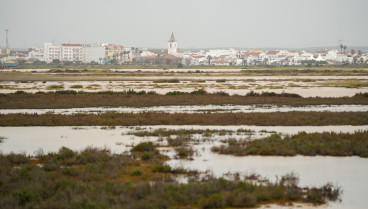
<point>347,172</point>
<point>322,86</point>
<point>196,109</point>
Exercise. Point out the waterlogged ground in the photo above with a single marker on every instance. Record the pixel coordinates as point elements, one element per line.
<point>347,172</point>
<point>196,109</point>
<point>306,86</point>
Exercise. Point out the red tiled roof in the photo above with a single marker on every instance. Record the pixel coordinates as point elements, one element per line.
<point>169,56</point>
<point>272,52</point>
<point>219,61</point>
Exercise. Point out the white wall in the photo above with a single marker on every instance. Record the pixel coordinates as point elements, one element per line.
<point>93,53</point>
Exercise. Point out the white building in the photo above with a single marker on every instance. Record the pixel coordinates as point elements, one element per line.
<point>35,54</point>
<point>72,52</point>
<point>51,52</point>
<point>93,53</point>
<point>172,46</point>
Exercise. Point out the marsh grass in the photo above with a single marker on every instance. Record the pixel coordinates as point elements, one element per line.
<point>309,144</point>
<point>164,132</point>
<point>132,98</point>
<point>76,86</point>
<point>352,83</point>
<point>154,118</point>
<point>167,81</point>
<point>96,178</point>
<point>54,87</point>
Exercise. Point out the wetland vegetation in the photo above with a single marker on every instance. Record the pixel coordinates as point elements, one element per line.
<point>309,144</point>
<point>96,178</point>
<point>155,118</point>
<point>132,98</point>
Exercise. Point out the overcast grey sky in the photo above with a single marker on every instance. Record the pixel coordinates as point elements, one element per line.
<point>195,23</point>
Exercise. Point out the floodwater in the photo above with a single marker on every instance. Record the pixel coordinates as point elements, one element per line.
<point>232,85</point>
<point>195,109</point>
<point>347,172</point>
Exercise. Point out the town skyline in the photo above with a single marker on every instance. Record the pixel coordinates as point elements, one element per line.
<point>204,24</point>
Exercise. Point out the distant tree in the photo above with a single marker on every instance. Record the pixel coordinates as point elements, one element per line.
<point>38,62</point>
<point>355,60</point>
<point>56,61</point>
<point>345,48</point>
<point>114,62</point>
<point>352,51</point>
<point>21,62</point>
<point>188,60</point>
<point>359,52</point>
<point>341,46</point>
<point>361,60</point>
<point>66,63</point>
<point>209,59</point>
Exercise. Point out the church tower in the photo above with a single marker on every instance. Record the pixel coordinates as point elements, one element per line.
<point>172,45</point>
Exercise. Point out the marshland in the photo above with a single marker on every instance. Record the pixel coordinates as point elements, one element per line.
<point>148,138</point>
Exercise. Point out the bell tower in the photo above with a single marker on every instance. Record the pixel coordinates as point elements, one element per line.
<point>172,45</point>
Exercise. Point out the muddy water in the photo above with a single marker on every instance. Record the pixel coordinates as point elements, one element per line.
<point>50,139</point>
<point>196,109</point>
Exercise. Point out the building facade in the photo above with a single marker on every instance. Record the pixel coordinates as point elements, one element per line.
<point>72,52</point>
<point>51,52</point>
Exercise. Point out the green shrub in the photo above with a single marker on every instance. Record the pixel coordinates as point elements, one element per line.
<point>23,197</point>
<point>243,199</point>
<point>52,87</point>
<point>199,92</point>
<point>17,159</point>
<point>214,201</point>
<point>144,147</point>
<point>136,173</point>
<point>172,93</point>
<point>66,153</point>
<point>162,169</point>
<point>146,156</point>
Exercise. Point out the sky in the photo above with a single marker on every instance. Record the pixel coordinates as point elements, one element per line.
<point>195,23</point>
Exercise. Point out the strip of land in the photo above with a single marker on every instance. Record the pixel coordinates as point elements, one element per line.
<point>309,144</point>
<point>72,99</point>
<point>131,119</point>
<point>88,73</point>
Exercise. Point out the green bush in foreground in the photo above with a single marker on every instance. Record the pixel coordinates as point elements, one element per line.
<point>144,147</point>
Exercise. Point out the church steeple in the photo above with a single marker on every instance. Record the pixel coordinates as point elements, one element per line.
<point>172,38</point>
<point>172,46</point>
